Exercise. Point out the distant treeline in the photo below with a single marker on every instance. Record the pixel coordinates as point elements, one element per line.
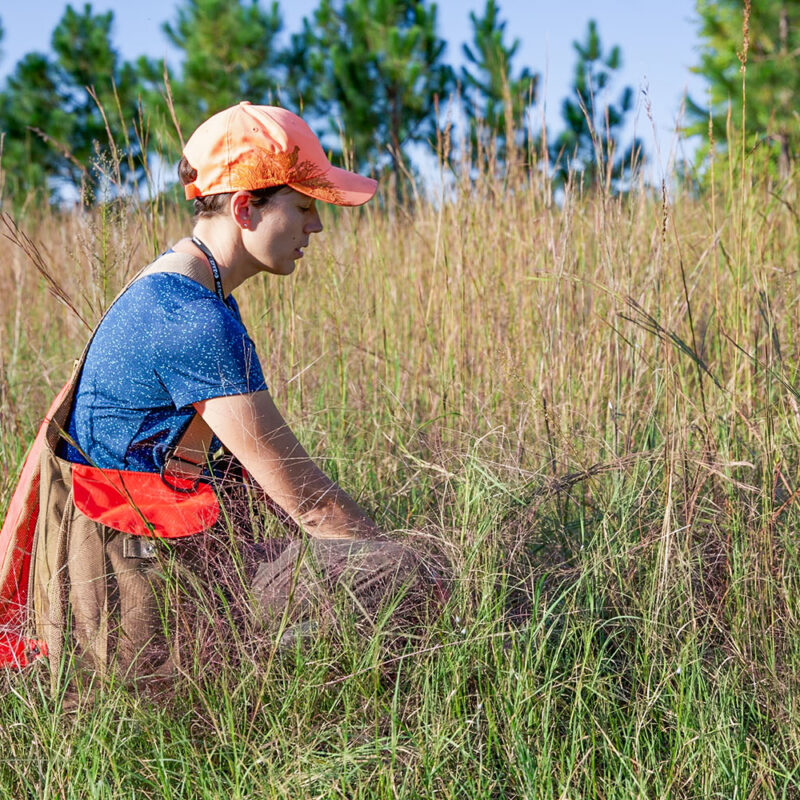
<point>372,78</point>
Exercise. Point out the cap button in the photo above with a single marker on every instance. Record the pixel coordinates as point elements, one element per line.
<point>245,103</point>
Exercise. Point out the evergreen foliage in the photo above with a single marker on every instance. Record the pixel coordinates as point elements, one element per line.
<point>55,133</point>
<point>772,75</point>
<point>376,69</point>
<point>229,53</point>
<point>87,62</point>
<point>370,74</point>
<point>495,101</point>
<point>589,146</point>
<point>31,104</point>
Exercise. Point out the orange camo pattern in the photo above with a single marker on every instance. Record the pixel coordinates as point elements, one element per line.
<point>262,169</point>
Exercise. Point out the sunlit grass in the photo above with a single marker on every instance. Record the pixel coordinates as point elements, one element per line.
<point>587,406</point>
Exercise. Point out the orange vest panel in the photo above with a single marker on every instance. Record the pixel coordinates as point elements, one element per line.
<point>142,504</point>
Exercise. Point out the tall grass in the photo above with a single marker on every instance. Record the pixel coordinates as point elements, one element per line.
<point>588,405</point>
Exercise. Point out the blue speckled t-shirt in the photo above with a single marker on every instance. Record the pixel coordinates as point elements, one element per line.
<point>166,343</point>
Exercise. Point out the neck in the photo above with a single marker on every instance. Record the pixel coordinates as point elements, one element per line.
<point>223,239</point>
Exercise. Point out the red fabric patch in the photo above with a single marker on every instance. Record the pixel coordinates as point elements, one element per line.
<point>141,503</point>
<point>16,539</point>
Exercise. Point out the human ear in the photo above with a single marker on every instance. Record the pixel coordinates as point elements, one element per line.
<point>240,209</point>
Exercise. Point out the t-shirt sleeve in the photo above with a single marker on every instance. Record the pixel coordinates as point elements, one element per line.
<point>207,353</point>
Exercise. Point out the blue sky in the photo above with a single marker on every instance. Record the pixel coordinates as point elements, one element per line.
<point>658,41</point>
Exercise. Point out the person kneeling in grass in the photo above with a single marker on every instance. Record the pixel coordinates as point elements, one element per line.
<point>169,377</point>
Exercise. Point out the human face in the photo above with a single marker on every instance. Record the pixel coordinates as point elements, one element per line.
<point>277,234</point>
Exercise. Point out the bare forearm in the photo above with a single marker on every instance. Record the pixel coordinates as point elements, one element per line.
<point>333,514</point>
<point>254,431</point>
<point>316,503</point>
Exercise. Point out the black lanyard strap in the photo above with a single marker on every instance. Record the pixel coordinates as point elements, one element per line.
<point>214,268</point>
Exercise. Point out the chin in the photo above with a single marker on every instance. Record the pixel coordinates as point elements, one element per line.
<point>280,269</point>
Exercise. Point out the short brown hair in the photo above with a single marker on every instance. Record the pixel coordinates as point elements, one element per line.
<point>213,204</point>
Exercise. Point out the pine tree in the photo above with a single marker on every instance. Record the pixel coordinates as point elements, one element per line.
<point>495,101</point>
<point>375,68</point>
<point>230,53</point>
<point>30,105</point>
<point>589,145</point>
<point>55,133</point>
<point>101,125</point>
<point>772,75</point>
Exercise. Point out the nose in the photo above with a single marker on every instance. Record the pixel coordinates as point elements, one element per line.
<point>314,224</point>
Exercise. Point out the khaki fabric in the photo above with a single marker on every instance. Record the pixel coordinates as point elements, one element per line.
<point>138,619</point>
<point>84,592</point>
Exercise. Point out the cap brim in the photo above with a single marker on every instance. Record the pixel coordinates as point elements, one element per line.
<point>340,187</point>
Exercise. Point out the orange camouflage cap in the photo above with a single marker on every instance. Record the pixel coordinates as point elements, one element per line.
<point>247,147</point>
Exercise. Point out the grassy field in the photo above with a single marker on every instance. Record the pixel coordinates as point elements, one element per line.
<point>588,405</point>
